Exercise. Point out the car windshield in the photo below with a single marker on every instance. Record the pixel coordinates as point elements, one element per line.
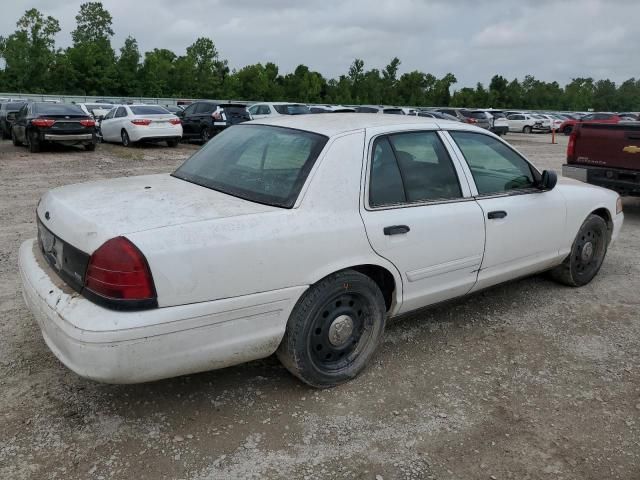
<point>260,163</point>
<point>14,106</point>
<point>291,109</point>
<point>149,110</point>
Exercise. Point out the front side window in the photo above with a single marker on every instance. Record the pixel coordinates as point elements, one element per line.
<point>411,167</point>
<point>495,167</point>
<point>259,163</point>
<point>121,112</point>
<point>110,115</point>
<point>264,110</point>
<point>253,110</point>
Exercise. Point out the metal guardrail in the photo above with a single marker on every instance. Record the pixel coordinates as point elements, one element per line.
<point>111,99</point>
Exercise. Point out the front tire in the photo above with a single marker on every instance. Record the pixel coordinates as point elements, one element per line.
<point>334,330</point>
<point>587,254</point>
<point>14,139</point>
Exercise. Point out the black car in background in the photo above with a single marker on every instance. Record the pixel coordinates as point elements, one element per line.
<point>38,123</point>
<point>202,120</point>
<point>8,112</point>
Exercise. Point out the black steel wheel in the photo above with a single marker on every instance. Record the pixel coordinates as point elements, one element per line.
<point>334,330</point>
<point>587,253</point>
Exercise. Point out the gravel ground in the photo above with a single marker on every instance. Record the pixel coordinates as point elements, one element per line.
<point>524,381</point>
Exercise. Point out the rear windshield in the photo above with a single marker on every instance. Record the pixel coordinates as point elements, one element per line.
<point>234,108</point>
<point>260,163</point>
<point>294,109</point>
<point>367,110</point>
<point>393,111</point>
<point>149,110</point>
<point>478,115</point>
<point>98,107</point>
<point>57,109</point>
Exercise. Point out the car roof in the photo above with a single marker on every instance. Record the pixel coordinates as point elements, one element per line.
<point>331,124</point>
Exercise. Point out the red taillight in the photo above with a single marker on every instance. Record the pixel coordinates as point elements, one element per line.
<point>42,122</point>
<point>217,115</point>
<point>141,122</point>
<point>175,121</point>
<point>88,123</point>
<point>118,271</point>
<point>471,120</point>
<point>571,146</point>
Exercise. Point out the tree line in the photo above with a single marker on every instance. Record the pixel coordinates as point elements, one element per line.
<point>91,66</point>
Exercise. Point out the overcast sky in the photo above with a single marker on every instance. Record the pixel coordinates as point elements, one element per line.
<point>474,39</point>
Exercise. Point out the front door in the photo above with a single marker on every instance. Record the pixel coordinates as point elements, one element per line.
<point>524,225</point>
<point>419,216</point>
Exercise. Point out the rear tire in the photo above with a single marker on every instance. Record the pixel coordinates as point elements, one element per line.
<point>205,135</point>
<point>126,141</point>
<point>587,254</point>
<point>34,142</point>
<point>527,130</point>
<point>334,330</point>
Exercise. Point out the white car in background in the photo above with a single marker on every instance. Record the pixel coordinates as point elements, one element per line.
<point>96,110</point>
<point>554,122</point>
<point>275,109</point>
<point>528,123</point>
<point>128,124</point>
<point>301,236</point>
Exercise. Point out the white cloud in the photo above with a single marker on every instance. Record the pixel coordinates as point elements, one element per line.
<point>550,39</point>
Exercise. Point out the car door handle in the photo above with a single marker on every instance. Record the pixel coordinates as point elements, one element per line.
<point>496,214</point>
<point>396,230</point>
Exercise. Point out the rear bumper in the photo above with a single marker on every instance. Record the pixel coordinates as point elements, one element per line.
<point>625,182</point>
<point>131,347</point>
<point>83,137</point>
<point>148,134</point>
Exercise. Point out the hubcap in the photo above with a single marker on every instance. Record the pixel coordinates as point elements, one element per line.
<point>587,252</point>
<point>340,330</point>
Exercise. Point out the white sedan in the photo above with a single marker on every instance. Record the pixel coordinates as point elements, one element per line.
<point>128,124</point>
<point>276,109</point>
<point>528,123</point>
<point>301,236</point>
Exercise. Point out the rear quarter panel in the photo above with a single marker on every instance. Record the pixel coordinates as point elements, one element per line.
<point>581,200</point>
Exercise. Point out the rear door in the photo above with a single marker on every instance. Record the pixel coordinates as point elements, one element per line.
<point>524,225</point>
<point>188,121</point>
<point>420,216</point>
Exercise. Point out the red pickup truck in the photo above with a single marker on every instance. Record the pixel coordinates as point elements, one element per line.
<point>607,155</point>
<point>599,117</point>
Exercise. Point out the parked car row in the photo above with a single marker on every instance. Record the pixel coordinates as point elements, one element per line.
<point>201,120</point>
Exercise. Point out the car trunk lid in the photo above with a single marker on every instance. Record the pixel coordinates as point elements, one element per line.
<point>86,215</point>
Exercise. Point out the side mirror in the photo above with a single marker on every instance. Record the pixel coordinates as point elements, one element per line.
<point>549,180</point>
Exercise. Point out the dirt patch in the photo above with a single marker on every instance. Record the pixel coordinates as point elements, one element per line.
<point>527,380</point>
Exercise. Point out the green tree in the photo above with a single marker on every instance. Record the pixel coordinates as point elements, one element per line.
<point>91,55</point>
<point>29,52</point>
<point>157,72</point>
<point>128,69</point>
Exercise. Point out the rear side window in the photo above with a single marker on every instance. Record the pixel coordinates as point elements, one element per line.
<point>411,167</point>
<point>149,110</point>
<point>205,108</point>
<point>495,167</point>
